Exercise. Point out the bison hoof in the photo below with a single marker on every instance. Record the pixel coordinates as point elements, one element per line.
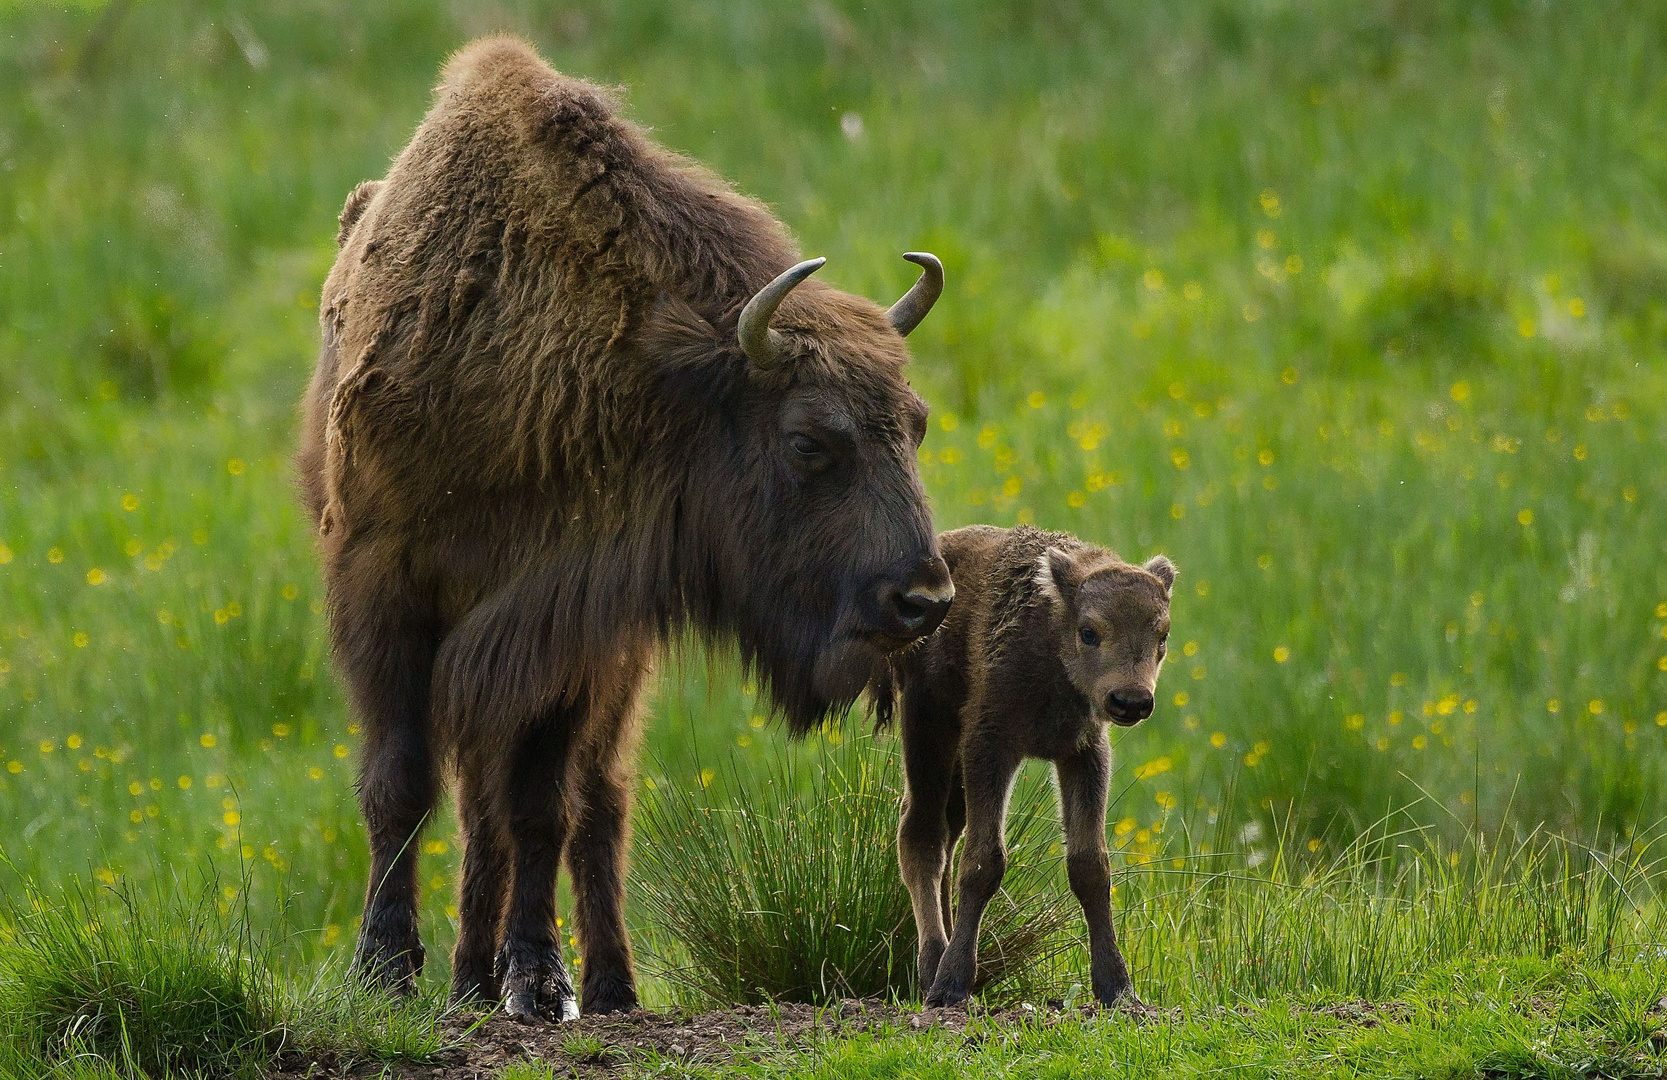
<point>609,994</point>
<point>473,991</point>
<point>535,984</point>
<point>391,961</point>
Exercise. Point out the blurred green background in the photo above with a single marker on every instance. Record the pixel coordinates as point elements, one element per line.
<point>1356,311</point>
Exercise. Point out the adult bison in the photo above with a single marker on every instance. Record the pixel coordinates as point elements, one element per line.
<point>574,396</point>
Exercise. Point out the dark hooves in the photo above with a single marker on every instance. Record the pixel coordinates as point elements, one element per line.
<point>945,994</point>
<point>475,993</point>
<point>609,994</point>
<point>391,965</point>
<point>535,985</point>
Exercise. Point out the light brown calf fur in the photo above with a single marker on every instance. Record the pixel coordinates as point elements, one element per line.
<point>1049,641</point>
<point>542,439</point>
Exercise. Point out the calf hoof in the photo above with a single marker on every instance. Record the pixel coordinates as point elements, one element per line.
<point>609,994</point>
<point>389,957</point>
<point>948,990</point>
<point>535,984</point>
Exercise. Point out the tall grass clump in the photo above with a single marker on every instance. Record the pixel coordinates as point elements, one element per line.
<point>154,984</point>
<point>168,978</point>
<point>788,888</point>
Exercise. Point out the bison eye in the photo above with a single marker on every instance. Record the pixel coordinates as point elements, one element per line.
<point>1089,636</point>
<point>805,446</point>
<point>808,453</point>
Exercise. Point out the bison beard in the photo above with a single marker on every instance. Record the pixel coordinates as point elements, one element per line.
<point>573,396</point>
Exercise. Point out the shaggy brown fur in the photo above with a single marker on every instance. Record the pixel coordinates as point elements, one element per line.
<point>1048,641</point>
<point>535,450</point>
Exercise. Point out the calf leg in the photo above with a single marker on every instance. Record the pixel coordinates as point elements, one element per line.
<point>596,855</point>
<point>385,645</point>
<point>923,838</point>
<point>989,775</point>
<point>481,900</point>
<point>1084,778</point>
<point>530,970</point>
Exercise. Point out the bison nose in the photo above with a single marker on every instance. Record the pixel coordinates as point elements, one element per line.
<point>1129,706</point>
<point>916,607</point>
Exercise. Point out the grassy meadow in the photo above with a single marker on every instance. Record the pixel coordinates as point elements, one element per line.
<point>1356,311</point>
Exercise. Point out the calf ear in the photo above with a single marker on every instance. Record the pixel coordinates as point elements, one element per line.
<point>1162,569</point>
<point>1058,576</point>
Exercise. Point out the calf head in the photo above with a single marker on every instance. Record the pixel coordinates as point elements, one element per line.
<point>1111,625</point>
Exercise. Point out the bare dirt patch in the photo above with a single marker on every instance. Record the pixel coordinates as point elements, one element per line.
<point>598,1046</point>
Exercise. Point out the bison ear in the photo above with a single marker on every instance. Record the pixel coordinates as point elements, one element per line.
<point>1162,569</point>
<point>672,323</point>
<point>1057,576</point>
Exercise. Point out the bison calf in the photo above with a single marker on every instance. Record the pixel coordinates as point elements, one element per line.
<point>1048,641</point>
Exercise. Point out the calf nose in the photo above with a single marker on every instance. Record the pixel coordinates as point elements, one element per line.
<point>1130,705</point>
<point>916,607</point>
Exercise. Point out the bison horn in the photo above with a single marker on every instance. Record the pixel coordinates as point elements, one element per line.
<point>906,314</point>
<point>763,345</point>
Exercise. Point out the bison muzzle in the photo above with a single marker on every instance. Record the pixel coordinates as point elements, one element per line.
<point>574,397</point>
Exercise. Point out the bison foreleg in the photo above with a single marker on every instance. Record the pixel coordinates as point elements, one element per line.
<point>481,897</point>
<point>596,857</point>
<point>597,849</point>
<point>530,972</point>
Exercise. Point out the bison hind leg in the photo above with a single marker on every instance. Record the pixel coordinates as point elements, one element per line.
<point>385,642</point>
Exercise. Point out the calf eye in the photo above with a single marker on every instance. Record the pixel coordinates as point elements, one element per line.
<point>1089,636</point>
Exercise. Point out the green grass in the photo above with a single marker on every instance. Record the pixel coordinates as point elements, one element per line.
<point>180,993</point>
<point>1522,1018</point>
<point>174,980</point>
<point>788,892</point>
<point>1358,312</point>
